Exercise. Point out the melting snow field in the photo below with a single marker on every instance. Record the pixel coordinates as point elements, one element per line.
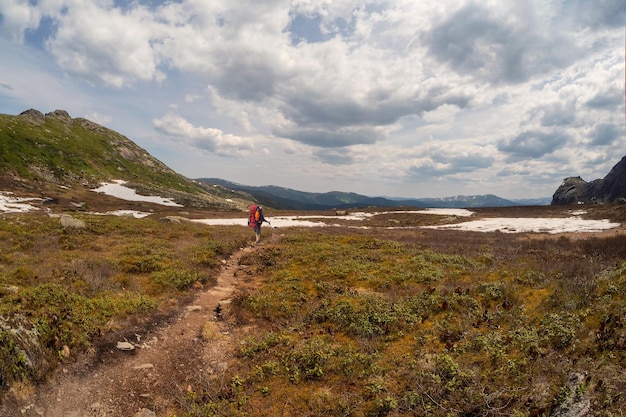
<point>119,190</point>
<point>9,204</point>
<point>572,224</point>
<point>308,221</point>
<point>538,225</point>
<point>503,224</point>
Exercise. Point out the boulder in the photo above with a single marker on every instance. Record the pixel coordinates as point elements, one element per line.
<point>70,222</point>
<point>61,115</point>
<point>127,346</point>
<point>34,116</point>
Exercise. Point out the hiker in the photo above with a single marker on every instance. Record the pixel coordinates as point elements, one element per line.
<point>255,220</point>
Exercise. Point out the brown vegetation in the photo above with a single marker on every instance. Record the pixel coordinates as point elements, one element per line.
<point>341,321</point>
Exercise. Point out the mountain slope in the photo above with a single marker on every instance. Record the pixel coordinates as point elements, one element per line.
<point>609,189</point>
<point>54,154</point>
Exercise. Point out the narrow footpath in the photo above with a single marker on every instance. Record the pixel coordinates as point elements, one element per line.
<point>163,365</point>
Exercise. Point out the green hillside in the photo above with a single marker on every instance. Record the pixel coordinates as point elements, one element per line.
<point>44,152</point>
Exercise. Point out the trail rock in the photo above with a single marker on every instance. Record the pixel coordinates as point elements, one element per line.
<point>144,366</point>
<point>144,412</point>
<point>224,310</point>
<point>125,346</point>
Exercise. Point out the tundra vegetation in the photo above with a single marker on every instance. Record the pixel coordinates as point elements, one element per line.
<point>344,321</point>
<point>62,290</point>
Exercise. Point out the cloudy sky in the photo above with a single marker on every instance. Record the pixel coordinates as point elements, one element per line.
<point>400,98</point>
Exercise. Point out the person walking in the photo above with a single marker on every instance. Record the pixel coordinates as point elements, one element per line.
<point>255,220</point>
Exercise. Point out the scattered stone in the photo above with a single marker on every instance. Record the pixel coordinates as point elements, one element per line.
<point>223,311</point>
<point>194,308</point>
<point>65,351</point>
<point>144,412</point>
<point>144,366</point>
<point>125,346</point>
<point>11,289</point>
<point>173,219</point>
<point>68,221</point>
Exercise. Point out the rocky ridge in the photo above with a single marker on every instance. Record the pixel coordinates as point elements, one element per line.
<point>610,189</point>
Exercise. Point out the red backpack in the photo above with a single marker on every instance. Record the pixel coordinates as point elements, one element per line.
<point>254,215</point>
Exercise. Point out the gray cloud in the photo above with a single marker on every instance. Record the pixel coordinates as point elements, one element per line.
<point>533,144</point>
<point>325,120</point>
<point>605,134</point>
<point>597,13</point>
<point>558,114</point>
<point>607,100</point>
<point>249,78</point>
<point>326,138</point>
<point>440,164</point>
<point>474,41</point>
<point>334,156</point>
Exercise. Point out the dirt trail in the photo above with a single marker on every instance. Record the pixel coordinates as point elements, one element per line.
<point>195,345</point>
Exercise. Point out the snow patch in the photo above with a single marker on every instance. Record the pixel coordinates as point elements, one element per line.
<point>10,204</point>
<point>537,225</point>
<point>573,224</point>
<point>133,213</point>
<point>119,190</point>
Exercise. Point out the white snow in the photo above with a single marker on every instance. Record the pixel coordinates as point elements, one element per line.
<point>133,213</point>
<point>119,190</point>
<point>279,221</point>
<point>538,225</point>
<point>573,224</point>
<point>438,211</point>
<point>9,204</point>
<point>307,221</point>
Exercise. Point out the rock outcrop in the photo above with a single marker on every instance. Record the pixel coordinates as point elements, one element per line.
<point>575,190</point>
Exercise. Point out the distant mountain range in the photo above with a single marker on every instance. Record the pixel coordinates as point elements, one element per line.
<point>288,199</point>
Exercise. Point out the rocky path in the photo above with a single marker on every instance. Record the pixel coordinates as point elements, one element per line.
<point>161,367</point>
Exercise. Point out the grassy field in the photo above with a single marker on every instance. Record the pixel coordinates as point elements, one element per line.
<point>345,322</point>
